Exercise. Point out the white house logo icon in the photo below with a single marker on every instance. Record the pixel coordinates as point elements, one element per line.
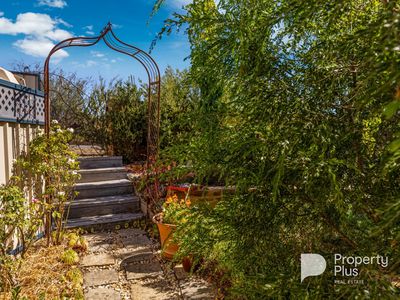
<point>312,265</point>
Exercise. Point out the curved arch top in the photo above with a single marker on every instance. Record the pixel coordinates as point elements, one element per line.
<point>149,64</point>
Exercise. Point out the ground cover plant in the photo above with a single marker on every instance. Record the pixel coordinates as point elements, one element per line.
<point>50,272</point>
<point>38,192</point>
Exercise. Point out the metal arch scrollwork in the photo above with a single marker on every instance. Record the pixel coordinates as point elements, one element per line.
<point>152,70</point>
<point>153,100</point>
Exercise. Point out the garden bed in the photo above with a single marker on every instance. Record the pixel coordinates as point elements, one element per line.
<point>44,273</point>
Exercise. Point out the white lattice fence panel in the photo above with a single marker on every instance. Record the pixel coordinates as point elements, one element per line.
<point>20,104</point>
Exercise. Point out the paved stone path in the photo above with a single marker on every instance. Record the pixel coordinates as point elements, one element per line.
<point>126,265</point>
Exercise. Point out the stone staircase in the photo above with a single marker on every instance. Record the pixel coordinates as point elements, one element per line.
<point>106,197</point>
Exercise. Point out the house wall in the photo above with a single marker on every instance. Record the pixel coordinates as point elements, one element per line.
<point>21,118</point>
<point>14,140</point>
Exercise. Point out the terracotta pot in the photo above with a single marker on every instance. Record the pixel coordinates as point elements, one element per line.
<point>187,263</point>
<point>169,248</point>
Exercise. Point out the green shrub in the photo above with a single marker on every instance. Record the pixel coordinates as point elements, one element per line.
<point>20,218</point>
<point>75,276</point>
<point>292,94</point>
<point>23,217</point>
<point>50,159</point>
<point>70,257</point>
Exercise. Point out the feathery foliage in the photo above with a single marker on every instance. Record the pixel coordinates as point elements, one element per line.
<point>291,108</point>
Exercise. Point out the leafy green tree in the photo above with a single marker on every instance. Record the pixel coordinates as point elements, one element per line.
<point>116,114</point>
<point>93,127</point>
<point>178,98</point>
<point>290,113</point>
<point>127,119</point>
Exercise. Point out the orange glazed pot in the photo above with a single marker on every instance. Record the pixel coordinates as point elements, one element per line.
<point>169,248</point>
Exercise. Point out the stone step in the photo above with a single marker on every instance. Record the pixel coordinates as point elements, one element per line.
<point>104,206</point>
<point>105,222</point>
<point>104,188</point>
<point>102,174</point>
<point>97,162</point>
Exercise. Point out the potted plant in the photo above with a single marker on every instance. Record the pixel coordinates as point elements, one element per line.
<point>174,212</point>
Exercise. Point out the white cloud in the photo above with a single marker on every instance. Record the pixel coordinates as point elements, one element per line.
<point>61,21</point>
<point>33,24</point>
<point>89,29</point>
<point>38,47</point>
<point>58,35</point>
<point>97,54</point>
<point>27,23</point>
<point>40,30</point>
<point>1,14</point>
<point>53,3</point>
<point>91,63</point>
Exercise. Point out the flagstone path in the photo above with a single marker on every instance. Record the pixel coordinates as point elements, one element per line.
<point>126,265</point>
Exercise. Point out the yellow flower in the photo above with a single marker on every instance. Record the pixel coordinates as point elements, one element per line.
<point>175,198</point>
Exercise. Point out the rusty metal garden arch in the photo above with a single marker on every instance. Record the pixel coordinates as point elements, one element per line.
<point>152,70</point>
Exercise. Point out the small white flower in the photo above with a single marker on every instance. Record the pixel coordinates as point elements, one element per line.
<point>61,193</point>
<point>74,172</point>
<point>71,130</point>
<point>54,122</point>
<point>387,25</point>
<point>71,161</point>
<point>59,130</point>
<point>14,161</point>
<point>396,48</point>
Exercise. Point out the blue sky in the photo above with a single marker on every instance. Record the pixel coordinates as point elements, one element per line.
<point>29,29</point>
